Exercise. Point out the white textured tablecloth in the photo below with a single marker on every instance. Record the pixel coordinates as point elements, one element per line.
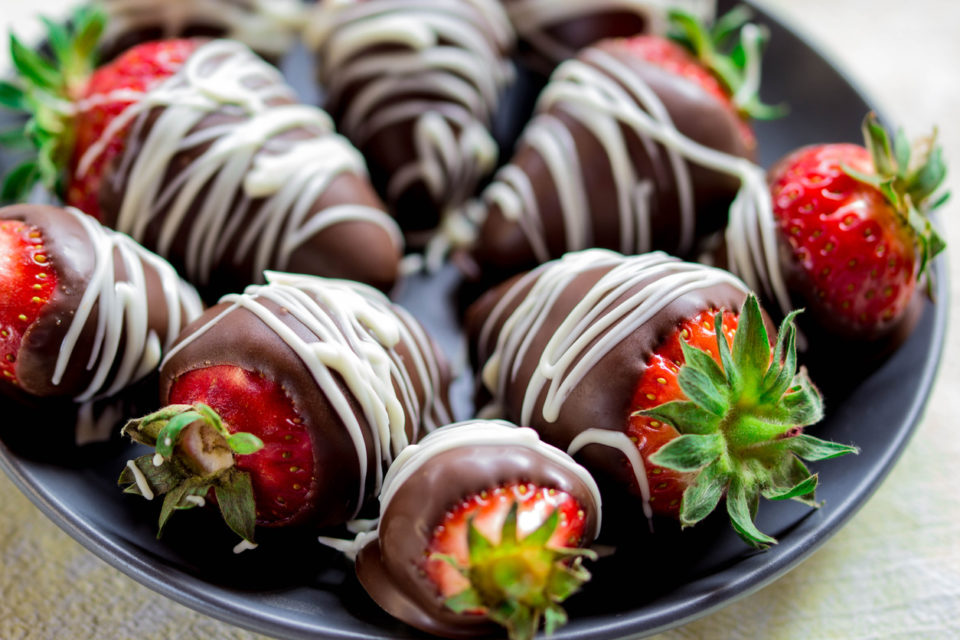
<point>892,572</point>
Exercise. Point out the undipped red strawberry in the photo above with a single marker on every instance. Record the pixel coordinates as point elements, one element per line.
<point>27,281</point>
<point>856,221</point>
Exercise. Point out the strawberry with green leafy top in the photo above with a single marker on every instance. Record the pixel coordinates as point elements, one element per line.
<point>856,221</point>
<point>481,523</point>
<point>720,415</point>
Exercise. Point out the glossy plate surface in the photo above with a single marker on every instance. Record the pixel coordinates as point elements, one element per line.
<point>299,590</point>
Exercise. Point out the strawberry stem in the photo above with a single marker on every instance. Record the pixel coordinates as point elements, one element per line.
<point>909,176</point>
<point>741,429</point>
<point>737,67</point>
<point>193,454</point>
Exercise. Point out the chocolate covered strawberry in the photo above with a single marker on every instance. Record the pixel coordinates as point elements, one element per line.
<point>855,219</point>
<point>481,523</point>
<point>198,150</point>
<point>637,144</point>
<point>286,403</point>
<point>661,374</point>
<point>85,312</point>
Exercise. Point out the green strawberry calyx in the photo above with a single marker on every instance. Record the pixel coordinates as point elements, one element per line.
<point>194,453</point>
<point>742,427</point>
<point>519,581</point>
<point>910,177</point>
<point>45,88</point>
<point>737,67</point>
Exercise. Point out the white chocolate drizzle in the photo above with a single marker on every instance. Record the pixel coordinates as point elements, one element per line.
<point>357,331</point>
<point>95,423</point>
<point>437,64</point>
<point>142,484</point>
<point>471,433</point>
<point>243,160</point>
<point>535,20</point>
<point>125,347</point>
<point>605,96</point>
<point>244,545</point>
<point>267,26</point>
<point>631,292</point>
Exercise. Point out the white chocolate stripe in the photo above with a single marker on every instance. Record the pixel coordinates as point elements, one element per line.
<point>242,161</point>
<point>534,19</point>
<point>357,331</point>
<point>123,338</point>
<point>478,433</point>
<point>447,53</point>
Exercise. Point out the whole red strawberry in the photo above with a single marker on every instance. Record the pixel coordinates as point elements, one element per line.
<point>480,523</point>
<point>855,219</point>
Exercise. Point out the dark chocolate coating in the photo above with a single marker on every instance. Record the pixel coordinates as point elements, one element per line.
<point>593,24</point>
<point>603,398</point>
<point>502,247</point>
<point>393,146</point>
<point>331,252</point>
<point>71,256</point>
<point>391,568</point>
<point>241,339</point>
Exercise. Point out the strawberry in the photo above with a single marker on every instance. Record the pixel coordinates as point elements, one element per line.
<point>855,219</point>
<point>27,281</point>
<point>285,403</point>
<point>282,470</point>
<point>719,413</point>
<point>660,384</point>
<point>480,522</point>
<point>696,54</point>
<point>105,95</point>
<point>510,544</point>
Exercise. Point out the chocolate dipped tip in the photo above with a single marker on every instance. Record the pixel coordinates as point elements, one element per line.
<point>436,476</point>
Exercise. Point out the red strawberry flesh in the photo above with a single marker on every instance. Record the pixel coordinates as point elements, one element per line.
<point>282,471</point>
<point>858,258</point>
<point>659,385</point>
<point>489,510</point>
<point>27,282</point>
<point>109,92</point>
<point>675,59</point>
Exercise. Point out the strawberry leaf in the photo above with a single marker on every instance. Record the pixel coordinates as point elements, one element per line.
<point>234,494</point>
<point>701,498</point>
<point>477,543</point>
<point>751,346</point>
<point>741,506</point>
<point>813,449</point>
<point>19,182</point>
<point>689,452</point>
<point>804,488</point>
<point>244,443</point>
<point>878,144</point>
<point>554,617</point>
<point>12,97</point>
<point>544,532</point>
<point>466,600</point>
<point>32,66</point>
<point>686,417</point>
<point>700,388</point>
<point>901,150</point>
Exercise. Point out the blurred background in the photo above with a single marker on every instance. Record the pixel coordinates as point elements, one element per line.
<point>892,572</point>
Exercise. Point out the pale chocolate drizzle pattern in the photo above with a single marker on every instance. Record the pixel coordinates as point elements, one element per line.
<point>436,66</point>
<point>536,21</point>
<point>355,330</point>
<point>630,293</point>
<point>267,26</point>
<point>125,347</point>
<point>241,155</point>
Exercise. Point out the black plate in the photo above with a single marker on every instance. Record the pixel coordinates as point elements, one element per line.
<point>299,590</point>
